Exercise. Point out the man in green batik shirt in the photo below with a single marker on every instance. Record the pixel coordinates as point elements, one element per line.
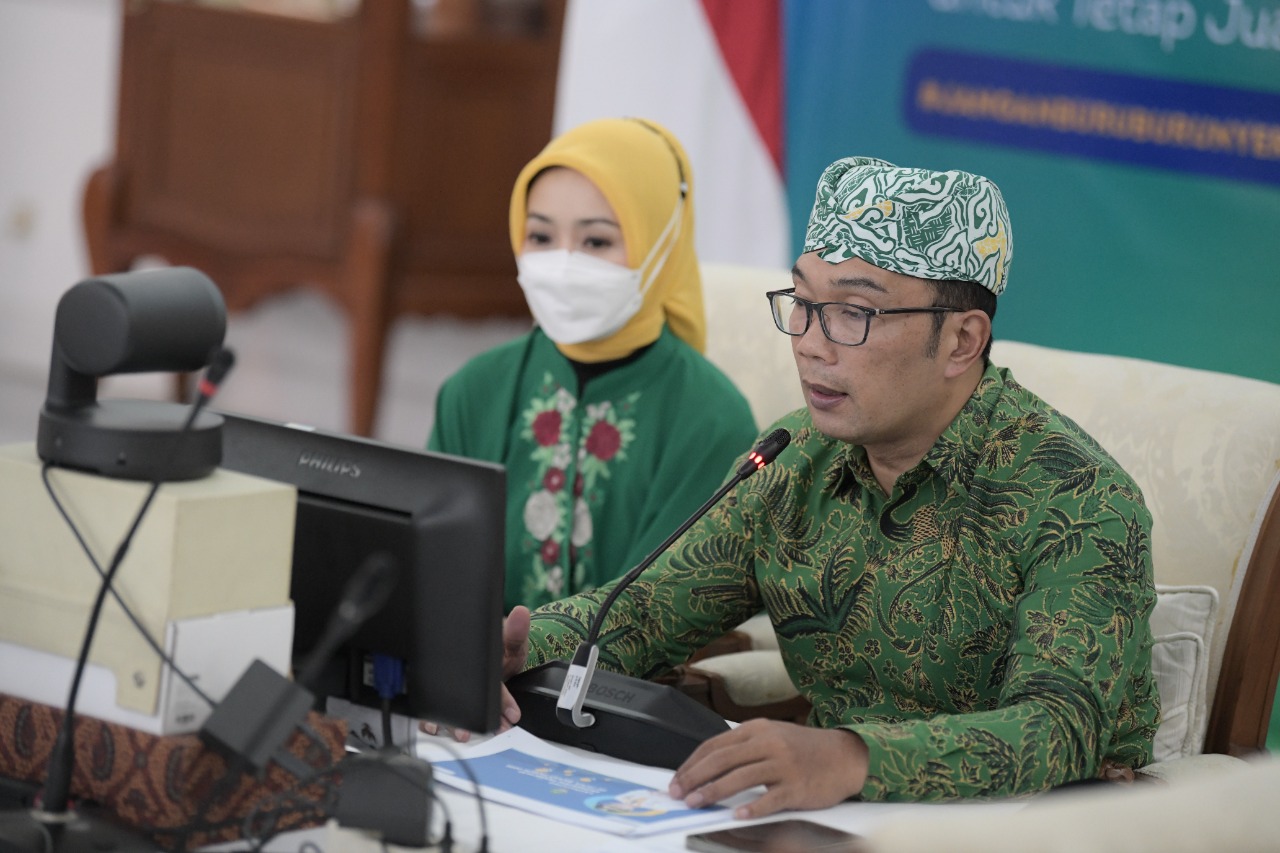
<point>959,577</point>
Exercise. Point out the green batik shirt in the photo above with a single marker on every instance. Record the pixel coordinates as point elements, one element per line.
<point>983,627</point>
<point>597,476</point>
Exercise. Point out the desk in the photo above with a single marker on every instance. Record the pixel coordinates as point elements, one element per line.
<point>1230,809</point>
<point>512,829</point>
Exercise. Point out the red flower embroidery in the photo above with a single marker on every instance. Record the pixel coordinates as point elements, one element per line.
<point>604,440</point>
<point>577,485</point>
<point>550,552</point>
<point>546,427</point>
<point>554,480</point>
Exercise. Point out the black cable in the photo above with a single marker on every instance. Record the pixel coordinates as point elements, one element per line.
<point>236,768</point>
<point>446,836</point>
<point>324,804</point>
<point>219,789</point>
<point>57,789</point>
<point>137,623</point>
<point>388,741</point>
<point>184,833</point>
<point>55,799</point>
<point>475,784</point>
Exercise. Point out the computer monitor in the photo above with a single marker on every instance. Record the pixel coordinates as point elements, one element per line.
<point>439,517</point>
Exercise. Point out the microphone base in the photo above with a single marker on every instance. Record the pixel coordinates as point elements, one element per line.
<point>131,440</point>
<point>31,831</point>
<point>635,720</point>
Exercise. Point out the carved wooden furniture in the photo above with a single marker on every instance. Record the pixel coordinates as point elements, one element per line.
<point>370,156</point>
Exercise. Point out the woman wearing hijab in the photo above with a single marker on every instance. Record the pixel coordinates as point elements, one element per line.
<point>612,425</point>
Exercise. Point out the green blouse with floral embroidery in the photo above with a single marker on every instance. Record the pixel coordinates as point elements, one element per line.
<point>984,627</point>
<point>598,477</point>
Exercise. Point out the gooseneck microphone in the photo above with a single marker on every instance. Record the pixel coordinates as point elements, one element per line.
<point>365,593</point>
<point>646,722</point>
<point>263,707</point>
<point>54,815</point>
<point>578,680</point>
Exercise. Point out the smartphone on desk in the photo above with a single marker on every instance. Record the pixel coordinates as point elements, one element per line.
<point>780,836</point>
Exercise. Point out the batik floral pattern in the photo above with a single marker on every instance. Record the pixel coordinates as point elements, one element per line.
<point>568,483</point>
<point>983,627</point>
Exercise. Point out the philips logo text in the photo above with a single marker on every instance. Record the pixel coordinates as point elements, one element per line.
<point>329,464</point>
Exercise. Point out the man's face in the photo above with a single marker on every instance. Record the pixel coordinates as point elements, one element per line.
<point>886,393</point>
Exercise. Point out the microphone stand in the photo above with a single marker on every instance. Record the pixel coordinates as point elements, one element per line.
<point>648,723</point>
<point>54,825</point>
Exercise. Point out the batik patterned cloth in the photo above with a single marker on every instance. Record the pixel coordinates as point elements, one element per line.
<point>983,627</point>
<point>596,477</point>
<point>157,784</point>
<point>934,225</point>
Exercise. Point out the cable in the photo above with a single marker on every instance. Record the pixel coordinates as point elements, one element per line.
<point>388,681</point>
<point>388,737</point>
<point>445,843</point>
<point>324,804</point>
<point>137,623</point>
<point>57,791</point>
<point>475,784</point>
<point>298,805</point>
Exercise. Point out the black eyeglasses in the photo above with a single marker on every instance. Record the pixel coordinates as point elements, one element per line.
<point>843,323</point>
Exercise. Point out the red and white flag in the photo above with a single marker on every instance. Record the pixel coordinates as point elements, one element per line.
<point>711,71</point>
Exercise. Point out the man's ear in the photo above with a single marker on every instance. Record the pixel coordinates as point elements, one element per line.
<point>968,340</point>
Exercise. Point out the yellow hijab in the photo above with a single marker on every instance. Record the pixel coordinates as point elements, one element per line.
<point>637,165</point>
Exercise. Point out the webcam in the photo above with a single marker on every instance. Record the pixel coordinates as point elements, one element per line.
<point>170,319</point>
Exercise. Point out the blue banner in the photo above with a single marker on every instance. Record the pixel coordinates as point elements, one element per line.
<point>1137,144</point>
<point>1081,112</point>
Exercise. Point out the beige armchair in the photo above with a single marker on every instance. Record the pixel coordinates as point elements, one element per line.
<point>1204,447</point>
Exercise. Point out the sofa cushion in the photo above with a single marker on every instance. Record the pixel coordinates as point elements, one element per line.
<point>1182,625</point>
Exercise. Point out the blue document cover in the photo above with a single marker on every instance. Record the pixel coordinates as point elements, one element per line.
<point>539,784</point>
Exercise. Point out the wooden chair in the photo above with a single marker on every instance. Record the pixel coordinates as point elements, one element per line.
<point>1204,447</point>
<point>369,156</point>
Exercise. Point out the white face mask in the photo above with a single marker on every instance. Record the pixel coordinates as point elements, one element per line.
<point>577,297</point>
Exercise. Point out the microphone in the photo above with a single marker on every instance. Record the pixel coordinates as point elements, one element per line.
<point>634,729</point>
<point>366,591</point>
<point>262,707</point>
<point>220,364</point>
<point>60,823</point>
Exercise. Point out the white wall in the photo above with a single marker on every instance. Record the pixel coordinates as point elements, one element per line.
<point>58,68</point>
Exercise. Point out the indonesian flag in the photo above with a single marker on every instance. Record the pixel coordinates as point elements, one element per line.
<point>711,71</point>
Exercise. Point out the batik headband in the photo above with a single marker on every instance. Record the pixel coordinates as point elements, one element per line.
<point>934,225</point>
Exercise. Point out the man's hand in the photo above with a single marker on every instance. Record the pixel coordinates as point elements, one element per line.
<point>515,643</point>
<point>515,650</point>
<point>801,768</point>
